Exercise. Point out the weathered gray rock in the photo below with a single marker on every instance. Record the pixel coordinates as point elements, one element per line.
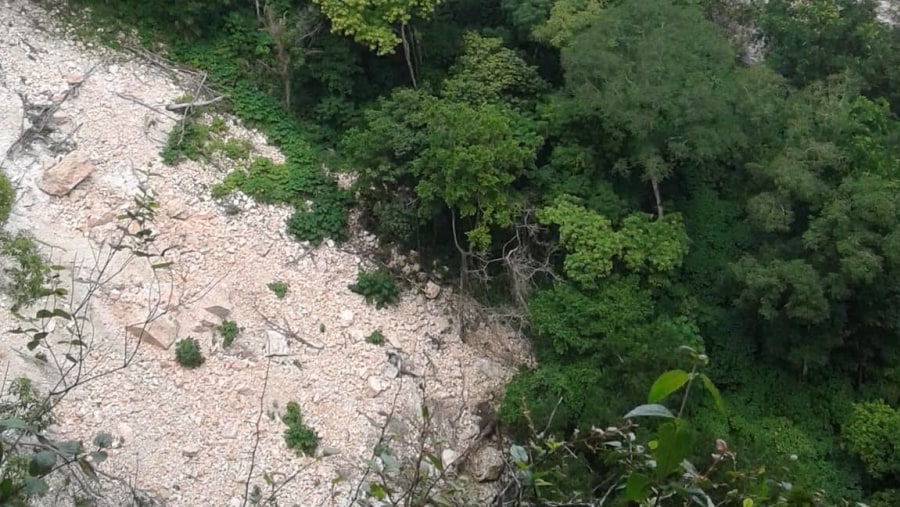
<point>486,464</point>
<point>190,451</point>
<point>347,318</point>
<point>60,178</point>
<point>277,344</point>
<point>432,290</point>
<point>161,333</point>
<point>489,369</point>
<point>376,386</point>
<point>448,458</point>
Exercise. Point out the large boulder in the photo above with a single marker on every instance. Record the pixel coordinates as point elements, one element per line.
<point>162,332</point>
<point>60,178</point>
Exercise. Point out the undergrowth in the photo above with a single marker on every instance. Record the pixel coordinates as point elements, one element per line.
<point>375,337</point>
<point>378,287</point>
<point>298,436</point>
<point>228,330</point>
<point>187,353</point>
<point>27,269</point>
<point>278,288</point>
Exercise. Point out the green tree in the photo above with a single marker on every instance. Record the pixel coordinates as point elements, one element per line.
<point>660,81</point>
<point>374,23</point>
<point>872,433</point>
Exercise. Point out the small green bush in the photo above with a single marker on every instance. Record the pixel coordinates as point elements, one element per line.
<point>187,353</point>
<point>376,338</point>
<point>29,273</point>
<point>7,198</point>
<point>378,287</point>
<point>278,288</point>
<point>298,436</point>
<point>228,330</point>
<point>191,144</point>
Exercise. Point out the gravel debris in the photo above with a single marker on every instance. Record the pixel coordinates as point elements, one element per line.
<point>187,435</point>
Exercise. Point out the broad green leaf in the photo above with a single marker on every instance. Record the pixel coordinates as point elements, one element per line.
<point>674,445</point>
<point>748,502</point>
<point>635,488</point>
<point>99,456</point>
<point>70,447</point>
<point>103,440</point>
<point>518,454</point>
<point>666,384</point>
<point>35,486</point>
<point>713,391</point>
<point>14,424</point>
<point>42,463</point>
<point>377,491</point>
<point>649,410</point>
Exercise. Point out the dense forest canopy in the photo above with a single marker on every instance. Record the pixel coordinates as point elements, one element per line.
<point>632,175</point>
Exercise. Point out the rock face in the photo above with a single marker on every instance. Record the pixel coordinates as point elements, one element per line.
<point>59,179</point>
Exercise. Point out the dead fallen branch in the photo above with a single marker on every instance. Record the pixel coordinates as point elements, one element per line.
<point>187,106</point>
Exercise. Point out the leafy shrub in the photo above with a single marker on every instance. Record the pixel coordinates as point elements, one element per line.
<point>873,433</point>
<point>278,288</point>
<point>298,436</point>
<point>7,198</point>
<point>324,219</point>
<point>378,287</point>
<point>375,338</point>
<point>29,272</point>
<point>190,143</point>
<point>228,330</point>
<point>187,353</point>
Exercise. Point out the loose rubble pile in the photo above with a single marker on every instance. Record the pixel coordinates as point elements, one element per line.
<point>187,435</point>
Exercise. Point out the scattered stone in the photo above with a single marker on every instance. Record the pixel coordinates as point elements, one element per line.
<point>432,290</point>
<point>486,464</point>
<point>219,311</point>
<point>489,369</point>
<point>277,344</point>
<point>190,451</point>
<point>161,333</point>
<point>74,79</point>
<point>328,451</point>
<point>448,458</point>
<point>60,178</point>
<point>376,386</point>
<point>346,318</point>
<point>391,371</point>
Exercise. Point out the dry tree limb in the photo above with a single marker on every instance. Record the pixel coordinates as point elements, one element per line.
<point>186,107</point>
<point>286,330</point>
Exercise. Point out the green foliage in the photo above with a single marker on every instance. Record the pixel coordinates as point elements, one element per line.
<point>7,198</point>
<point>454,155</point>
<point>872,432</point>
<point>28,271</point>
<point>188,354</point>
<point>228,330</point>
<point>298,436</point>
<point>640,245</point>
<point>278,288</point>
<point>375,337</point>
<point>373,22</point>
<point>378,287</point>
<point>187,143</point>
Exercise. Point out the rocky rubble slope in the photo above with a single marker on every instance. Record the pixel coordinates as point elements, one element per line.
<point>187,435</point>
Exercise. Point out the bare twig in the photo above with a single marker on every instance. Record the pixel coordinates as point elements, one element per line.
<point>262,397</point>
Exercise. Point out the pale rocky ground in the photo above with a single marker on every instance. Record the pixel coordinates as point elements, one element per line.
<point>188,434</point>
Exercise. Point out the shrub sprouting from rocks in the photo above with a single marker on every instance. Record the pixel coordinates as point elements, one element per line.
<point>228,330</point>
<point>278,288</point>
<point>7,198</point>
<point>298,436</point>
<point>375,338</point>
<point>378,287</point>
<point>187,353</point>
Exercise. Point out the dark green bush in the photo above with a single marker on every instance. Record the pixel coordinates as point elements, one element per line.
<point>278,288</point>
<point>29,272</point>
<point>299,436</point>
<point>378,287</point>
<point>375,337</point>
<point>187,353</point>
<point>228,330</point>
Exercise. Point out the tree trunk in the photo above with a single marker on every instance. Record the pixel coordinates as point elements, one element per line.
<point>659,207</point>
